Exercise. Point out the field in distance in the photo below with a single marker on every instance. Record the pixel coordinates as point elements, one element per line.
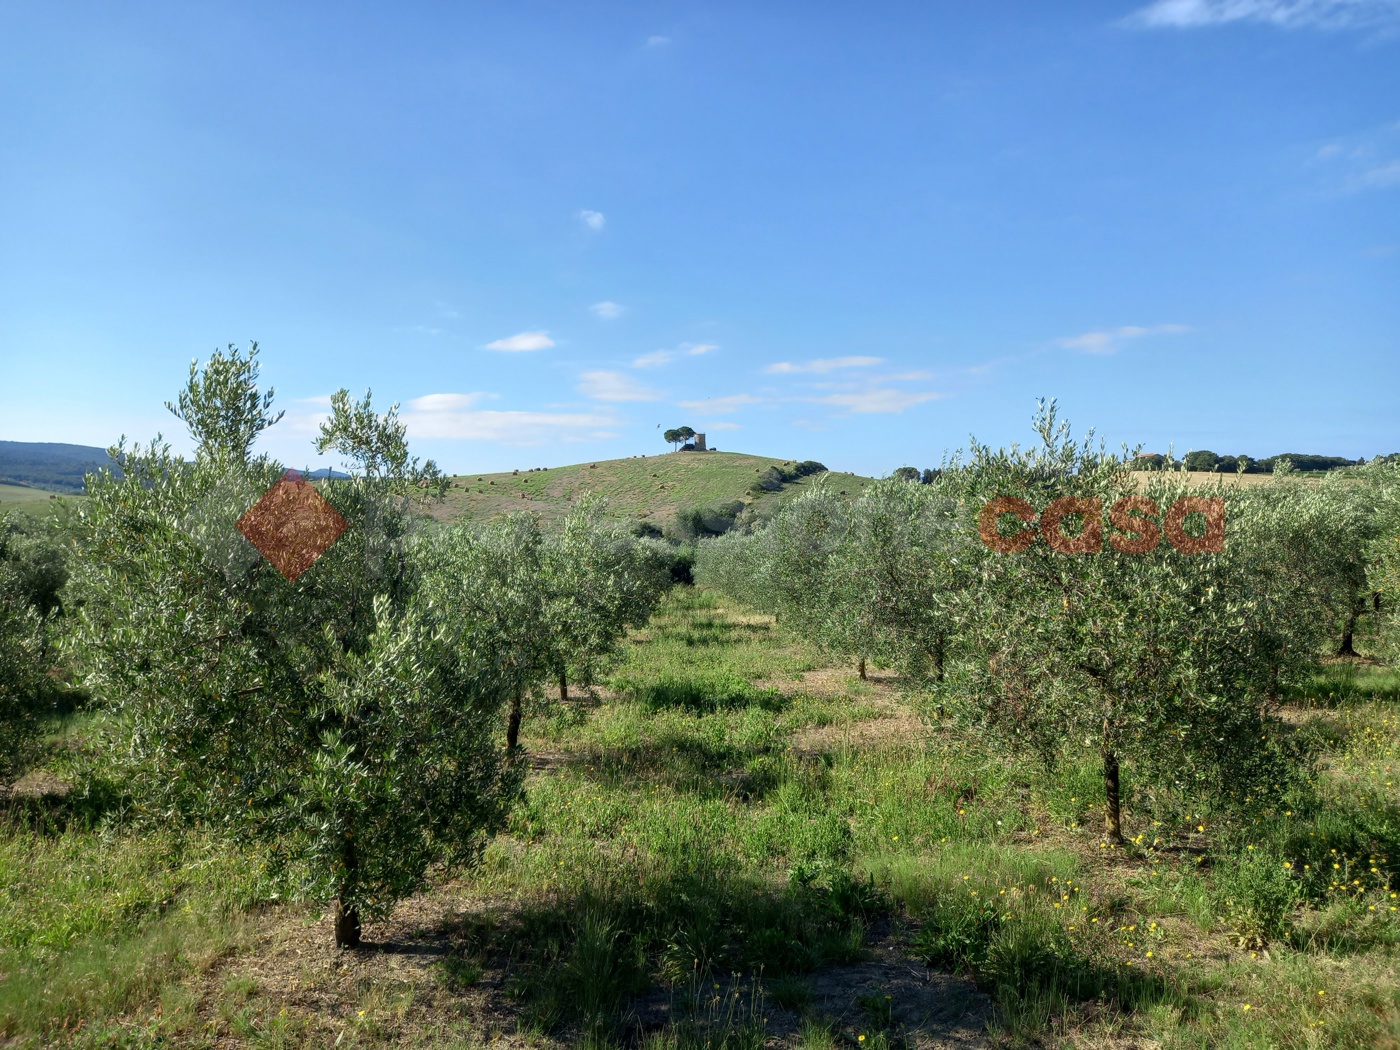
<point>22,497</point>
<point>642,488</point>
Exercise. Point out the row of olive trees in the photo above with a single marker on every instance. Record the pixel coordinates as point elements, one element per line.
<point>350,719</point>
<point>558,601</point>
<point>1168,658</point>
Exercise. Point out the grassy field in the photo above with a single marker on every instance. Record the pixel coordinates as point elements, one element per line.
<point>1205,477</point>
<point>21,497</point>
<point>735,844</point>
<point>643,488</point>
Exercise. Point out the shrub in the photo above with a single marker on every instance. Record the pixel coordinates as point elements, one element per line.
<point>1257,895</point>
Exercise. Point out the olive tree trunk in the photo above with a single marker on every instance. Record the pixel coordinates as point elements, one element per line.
<point>861,668</point>
<point>563,686</point>
<point>1112,810</point>
<point>347,916</point>
<point>1348,648</point>
<point>513,722</point>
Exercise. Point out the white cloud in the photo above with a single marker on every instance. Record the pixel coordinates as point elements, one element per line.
<point>522,341</point>
<point>594,220</point>
<point>658,41</point>
<point>1109,340</point>
<point>446,310</point>
<point>446,402</point>
<point>824,364</point>
<point>614,386</point>
<point>1290,14</point>
<point>661,357</point>
<point>506,427</point>
<point>720,406</point>
<point>608,310</point>
<point>706,427</point>
<point>873,401</point>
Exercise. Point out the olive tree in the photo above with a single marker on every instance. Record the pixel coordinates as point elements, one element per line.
<point>1116,640</point>
<point>900,567</point>
<point>21,663</point>
<point>343,718</point>
<point>493,578</point>
<point>1384,553</point>
<point>599,582</point>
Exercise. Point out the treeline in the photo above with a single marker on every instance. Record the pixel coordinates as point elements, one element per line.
<point>360,721</point>
<point>1086,628</point>
<point>1205,460</point>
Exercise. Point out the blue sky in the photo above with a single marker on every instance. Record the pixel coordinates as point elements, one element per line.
<point>848,232</point>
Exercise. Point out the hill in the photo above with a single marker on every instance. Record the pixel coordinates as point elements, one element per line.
<point>643,488</point>
<point>49,465</point>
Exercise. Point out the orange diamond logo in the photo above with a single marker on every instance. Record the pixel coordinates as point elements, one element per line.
<point>292,525</point>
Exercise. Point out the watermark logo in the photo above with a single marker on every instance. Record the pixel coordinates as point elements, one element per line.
<point>292,525</point>
<point>1134,516</point>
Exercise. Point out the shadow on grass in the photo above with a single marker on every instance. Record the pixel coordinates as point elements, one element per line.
<point>682,762</point>
<point>1346,683</point>
<point>577,959</point>
<point>58,808</point>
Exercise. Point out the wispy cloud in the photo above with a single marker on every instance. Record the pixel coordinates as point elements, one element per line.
<point>521,342</point>
<point>720,425</point>
<point>608,310</point>
<point>878,401</point>
<point>614,386</point>
<point>594,220</point>
<point>1365,160</point>
<point>824,364</point>
<point>658,41</point>
<point>1381,175</point>
<point>1288,14</point>
<point>451,416</point>
<point>720,406</point>
<point>662,357</point>
<point>1108,340</point>
<point>446,310</point>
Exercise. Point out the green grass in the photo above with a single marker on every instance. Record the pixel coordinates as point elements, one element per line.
<point>23,498</point>
<point>691,835</point>
<point>648,488</point>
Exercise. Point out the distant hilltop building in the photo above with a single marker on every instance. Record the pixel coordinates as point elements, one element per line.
<point>695,444</point>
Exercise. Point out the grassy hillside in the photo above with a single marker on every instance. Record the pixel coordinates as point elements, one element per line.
<point>643,488</point>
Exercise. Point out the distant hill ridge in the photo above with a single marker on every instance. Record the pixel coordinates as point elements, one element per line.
<point>50,464</point>
<point>58,467</point>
